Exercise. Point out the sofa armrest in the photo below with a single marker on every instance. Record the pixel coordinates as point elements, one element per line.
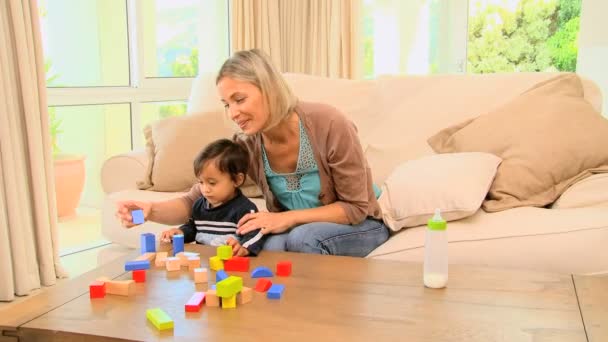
<point>122,171</point>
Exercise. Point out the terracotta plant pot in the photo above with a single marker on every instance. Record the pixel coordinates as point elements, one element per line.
<point>69,183</point>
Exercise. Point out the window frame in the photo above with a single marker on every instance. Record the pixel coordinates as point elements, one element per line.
<point>141,89</point>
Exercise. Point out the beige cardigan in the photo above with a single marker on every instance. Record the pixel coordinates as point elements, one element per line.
<point>343,171</point>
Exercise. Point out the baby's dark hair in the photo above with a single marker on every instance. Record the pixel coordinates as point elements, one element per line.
<point>229,157</point>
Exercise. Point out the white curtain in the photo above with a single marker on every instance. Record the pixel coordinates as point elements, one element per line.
<point>28,226</point>
<point>318,37</point>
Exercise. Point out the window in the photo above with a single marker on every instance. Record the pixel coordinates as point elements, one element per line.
<point>523,35</point>
<point>476,36</point>
<point>413,37</point>
<point>114,66</point>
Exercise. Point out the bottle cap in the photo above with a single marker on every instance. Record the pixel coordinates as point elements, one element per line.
<point>437,222</point>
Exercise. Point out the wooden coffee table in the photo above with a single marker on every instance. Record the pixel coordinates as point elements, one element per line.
<point>326,298</point>
<point>592,292</point>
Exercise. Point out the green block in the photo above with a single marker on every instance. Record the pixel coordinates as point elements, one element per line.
<point>159,318</point>
<point>229,287</point>
<point>224,252</point>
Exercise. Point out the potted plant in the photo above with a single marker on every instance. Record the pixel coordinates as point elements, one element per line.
<point>69,173</point>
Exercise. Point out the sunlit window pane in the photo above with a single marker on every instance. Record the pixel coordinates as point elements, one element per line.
<point>516,35</point>
<point>85,42</point>
<point>93,134</point>
<point>153,111</point>
<point>170,37</point>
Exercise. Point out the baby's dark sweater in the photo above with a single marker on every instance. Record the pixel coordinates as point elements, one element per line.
<point>223,220</point>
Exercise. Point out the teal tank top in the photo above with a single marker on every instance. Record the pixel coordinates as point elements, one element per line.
<point>300,189</point>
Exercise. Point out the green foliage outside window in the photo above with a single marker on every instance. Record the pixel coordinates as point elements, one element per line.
<point>184,66</point>
<point>540,35</point>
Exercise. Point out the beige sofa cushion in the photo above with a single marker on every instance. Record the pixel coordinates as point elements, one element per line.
<point>456,183</point>
<point>172,144</point>
<point>590,192</point>
<point>549,138</point>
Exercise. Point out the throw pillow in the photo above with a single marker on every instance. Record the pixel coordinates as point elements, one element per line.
<point>549,137</point>
<point>456,183</point>
<point>173,143</point>
<point>590,192</point>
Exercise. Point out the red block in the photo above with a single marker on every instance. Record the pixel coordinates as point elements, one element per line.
<point>263,285</point>
<point>139,276</point>
<point>97,289</point>
<point>236,264</point>
<point>195,302</point>
<point>284,268</point>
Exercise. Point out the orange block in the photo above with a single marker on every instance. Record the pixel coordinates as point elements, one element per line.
<point>245,296</point>
<point>211,298</point>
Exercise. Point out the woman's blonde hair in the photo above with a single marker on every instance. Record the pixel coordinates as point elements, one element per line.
<point>254,66</point>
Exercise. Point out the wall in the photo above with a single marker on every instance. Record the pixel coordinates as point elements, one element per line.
<point>592,59</point>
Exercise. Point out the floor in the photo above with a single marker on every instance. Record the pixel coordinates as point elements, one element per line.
<point>81,232</point>
<point>81,246</point>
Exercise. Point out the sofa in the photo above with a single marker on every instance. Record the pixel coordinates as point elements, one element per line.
<point>395,117</point>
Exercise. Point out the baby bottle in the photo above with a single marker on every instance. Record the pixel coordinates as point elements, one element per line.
<point>436,252</point>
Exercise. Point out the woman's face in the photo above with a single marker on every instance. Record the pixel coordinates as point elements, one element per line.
<point>244,104</point>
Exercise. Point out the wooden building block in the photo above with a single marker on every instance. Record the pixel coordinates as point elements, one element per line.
<point>137,265</point>
<point>275,291</point>
<point>139,276</point>
<point>220,275</point>
<point>263,285</point>
<point>284,268</point>
<point>137,217</point>
<point>194,263</point>
<point>237,264</point>
<point>245,296</point>
<point>161,259</point>
<point>211,298</point>
<point>229,286</point>
<point>147,256</point>
<point>173,264</point>
<point>159,318</point>
<point>200,275</point>
<point>224,252</point>
<point>215,263</point>
<point>261,271</point>
<point>229,302</point>
<point>147,241</point>
<point>178,244</point>
<point>119,287</point>
<point>195,302</point>
<point>97,289</point>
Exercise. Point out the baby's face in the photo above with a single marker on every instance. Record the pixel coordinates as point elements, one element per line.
<point>216,186</point>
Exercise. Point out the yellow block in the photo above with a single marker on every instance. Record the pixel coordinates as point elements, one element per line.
<point>224,252</point>
<point>229,302</point>
<point>159,318</point>
<point>215,263</point>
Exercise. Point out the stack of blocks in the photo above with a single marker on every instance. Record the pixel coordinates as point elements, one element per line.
<point>229,288</point>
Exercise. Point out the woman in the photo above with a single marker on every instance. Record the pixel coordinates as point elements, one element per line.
<point>305,157</point>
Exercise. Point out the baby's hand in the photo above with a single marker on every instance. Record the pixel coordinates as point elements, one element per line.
<point>237,249</point>
<point>167,235</point>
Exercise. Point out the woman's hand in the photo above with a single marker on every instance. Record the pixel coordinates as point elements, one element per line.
<point>270,223</point>
<point>237,248</point>
<point>123,211</point>
<point>167,235</point>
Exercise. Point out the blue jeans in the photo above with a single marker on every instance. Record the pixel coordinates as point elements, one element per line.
<point>331,238</point>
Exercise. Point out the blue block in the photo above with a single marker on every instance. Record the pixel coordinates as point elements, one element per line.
<point>137,216</point>
<point>261,272</point>
<point>137,265</point>
<point>148,243</point>
<point>214,287</point>
<point>220,275</point>
<point>275,291</point>
<point>178,244</point>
